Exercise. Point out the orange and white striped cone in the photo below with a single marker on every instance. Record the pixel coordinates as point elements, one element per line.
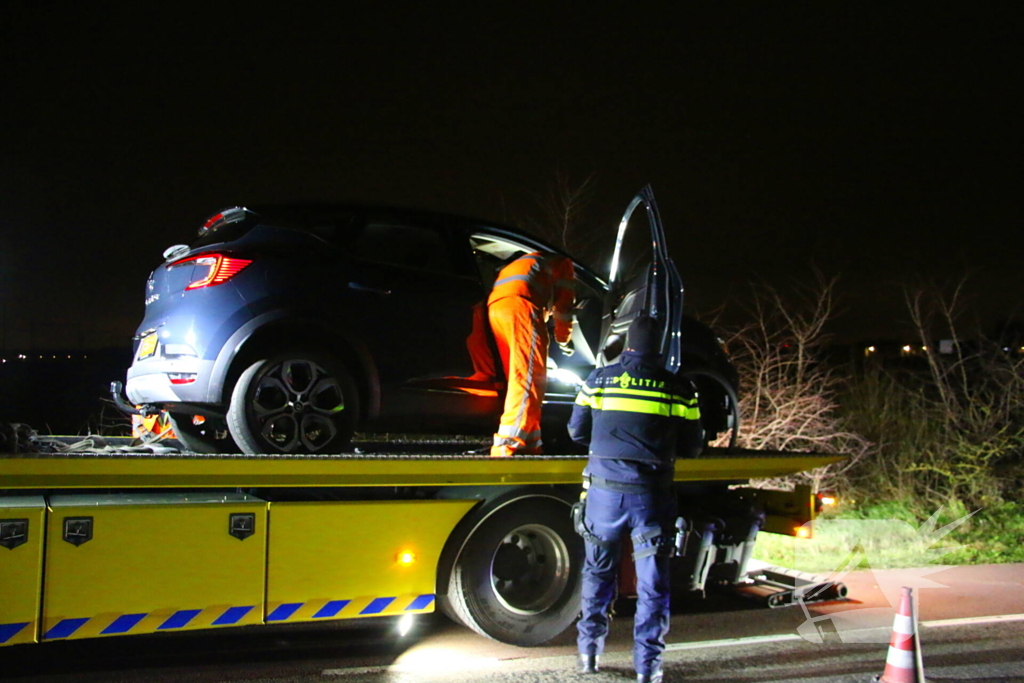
<point>903,663</point>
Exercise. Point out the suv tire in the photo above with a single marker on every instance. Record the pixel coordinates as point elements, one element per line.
<point>296,402</point>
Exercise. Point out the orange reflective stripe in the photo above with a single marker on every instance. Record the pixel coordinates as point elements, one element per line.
<point>547,281</point>
<point>522,342</point>
<point>519,278</point>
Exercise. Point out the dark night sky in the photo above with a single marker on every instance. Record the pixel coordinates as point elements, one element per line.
<point>880,144</point>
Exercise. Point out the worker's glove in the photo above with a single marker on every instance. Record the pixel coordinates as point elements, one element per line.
<point>567,348</point>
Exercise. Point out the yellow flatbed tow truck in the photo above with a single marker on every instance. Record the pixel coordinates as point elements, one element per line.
<point>106,544</point>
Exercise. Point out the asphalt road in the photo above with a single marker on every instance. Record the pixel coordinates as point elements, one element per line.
<point>972,630</point>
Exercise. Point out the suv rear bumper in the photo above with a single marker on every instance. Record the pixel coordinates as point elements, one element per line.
<point>150,382</point>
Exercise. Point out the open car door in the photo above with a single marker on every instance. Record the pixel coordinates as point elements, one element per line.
<point>642,279</point>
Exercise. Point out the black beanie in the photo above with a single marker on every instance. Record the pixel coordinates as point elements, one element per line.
<point>643,335</point>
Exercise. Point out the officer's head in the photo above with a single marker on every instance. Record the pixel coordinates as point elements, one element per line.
<point>642,336</point>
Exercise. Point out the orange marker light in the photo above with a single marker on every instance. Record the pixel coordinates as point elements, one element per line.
<point>406,557</point>
<point>802,532</point>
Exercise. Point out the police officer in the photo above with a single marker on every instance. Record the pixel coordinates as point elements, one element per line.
<point>635,417</point>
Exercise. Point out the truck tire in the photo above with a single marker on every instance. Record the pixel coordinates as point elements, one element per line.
<point>199,438</point>
<point>517,579</point>
<point>297,402</point>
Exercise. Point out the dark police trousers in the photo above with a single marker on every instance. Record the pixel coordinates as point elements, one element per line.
<point>611,516</point>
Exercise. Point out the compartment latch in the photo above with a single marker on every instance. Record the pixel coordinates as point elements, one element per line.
<point>13,532</point>
<point>242,525</point>
<point>77,530</point>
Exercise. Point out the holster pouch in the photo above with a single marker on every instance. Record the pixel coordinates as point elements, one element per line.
<point>663,542</point>
<point>578,509</point>
<point>579,523</point>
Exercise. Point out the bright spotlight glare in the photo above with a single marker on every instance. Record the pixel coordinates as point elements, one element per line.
<point>565,377</point>
<point>404,624</point>
<point>431,660</point>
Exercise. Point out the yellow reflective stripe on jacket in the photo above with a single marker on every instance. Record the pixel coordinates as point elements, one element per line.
<point>584,400</point>
<point>636,405</point>
<point>677,407</point>
<point>648,393</point>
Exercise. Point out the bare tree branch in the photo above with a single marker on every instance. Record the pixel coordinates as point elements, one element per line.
<point>789,397</point>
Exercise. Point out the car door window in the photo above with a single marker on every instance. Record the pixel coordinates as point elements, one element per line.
<point>629,284</point>
<point>643,279</point>
<point>407,246</point>
<point>419,297</point>
<point>492,253</point>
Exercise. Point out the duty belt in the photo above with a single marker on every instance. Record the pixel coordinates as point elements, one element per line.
<point>623,487</point>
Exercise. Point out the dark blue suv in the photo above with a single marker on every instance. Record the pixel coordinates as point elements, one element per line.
<point>286,329</point>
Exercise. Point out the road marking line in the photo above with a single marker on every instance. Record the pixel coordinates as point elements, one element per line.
<point>698,645</point>
<point>355,671</point>
<point>973,620</point>
<point>730,642</point>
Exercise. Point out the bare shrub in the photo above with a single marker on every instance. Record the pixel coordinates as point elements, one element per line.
<point>789,399</point>
<point>952,431</point>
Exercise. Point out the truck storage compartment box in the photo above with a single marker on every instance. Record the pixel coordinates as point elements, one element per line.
<point>143,563</point>
<point>21,567</point>
<point>356,559</point>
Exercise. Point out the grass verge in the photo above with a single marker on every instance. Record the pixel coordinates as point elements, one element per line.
<point>890,536</point>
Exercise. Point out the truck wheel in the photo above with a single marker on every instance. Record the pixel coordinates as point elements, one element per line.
<point>200,438</point>
<point>298,402</point>
<point>517,578</point>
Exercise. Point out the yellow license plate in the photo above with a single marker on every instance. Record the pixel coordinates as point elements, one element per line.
<point>147,347</point>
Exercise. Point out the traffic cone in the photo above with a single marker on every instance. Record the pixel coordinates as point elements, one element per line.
<point>903,663</point>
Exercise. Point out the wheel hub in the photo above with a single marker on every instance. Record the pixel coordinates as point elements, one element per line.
<point>530,569</point>
<point>295,406</point>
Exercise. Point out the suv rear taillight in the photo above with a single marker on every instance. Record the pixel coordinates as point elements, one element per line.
<point>220,268</point>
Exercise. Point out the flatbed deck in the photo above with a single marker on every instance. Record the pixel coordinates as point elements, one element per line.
<point>49,471</point>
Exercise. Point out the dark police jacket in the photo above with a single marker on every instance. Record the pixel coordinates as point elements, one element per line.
<point>636,418</point>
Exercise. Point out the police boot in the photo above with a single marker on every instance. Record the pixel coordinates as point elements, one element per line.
<point>587,664</point>
<point>653,677</point>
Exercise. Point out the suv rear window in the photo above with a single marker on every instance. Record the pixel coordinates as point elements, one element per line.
<point>331,226</point>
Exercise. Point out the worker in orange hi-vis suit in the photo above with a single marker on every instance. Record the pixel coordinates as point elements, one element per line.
<point>526,294</point>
